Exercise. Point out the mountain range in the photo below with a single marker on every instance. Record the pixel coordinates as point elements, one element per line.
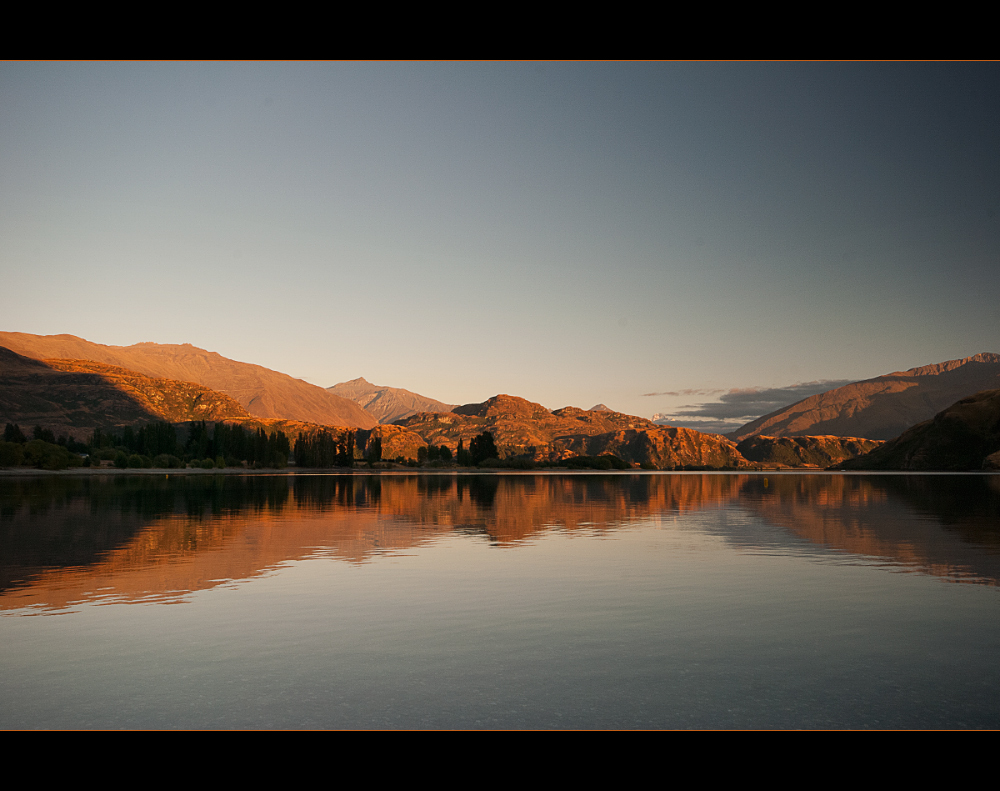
<point>72,386</point>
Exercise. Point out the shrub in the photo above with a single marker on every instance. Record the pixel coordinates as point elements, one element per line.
<point>11,454</point>
<point>516,463</point>
<point>606,461</point>
<point>49,456</point>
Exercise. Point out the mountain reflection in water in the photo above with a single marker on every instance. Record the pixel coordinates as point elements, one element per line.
<point>68,540</point>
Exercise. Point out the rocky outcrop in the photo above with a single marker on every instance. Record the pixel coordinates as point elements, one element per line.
<point>881,408</point>
<point>821,452</point>
<point>963,437</point>
<point>387,404</point>
<point>396,442</point>
<point>260,391</point>
<point>669,448</point>
<point>523,428</point>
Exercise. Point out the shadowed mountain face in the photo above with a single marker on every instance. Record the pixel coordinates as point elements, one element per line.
<point>260,391</point>
<point>965,436</point>
<point>804,451</point>
<point>884,407</point>
<point>74,397</point>
<point>387,404</point>
<point>523,428</point>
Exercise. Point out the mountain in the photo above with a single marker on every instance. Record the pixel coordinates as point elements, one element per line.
<point>261,391</point>
<point>523,428</point>
<point>883,407</point>
<point>964,436</point>
<point>386,404</point>
<point>73,397</point>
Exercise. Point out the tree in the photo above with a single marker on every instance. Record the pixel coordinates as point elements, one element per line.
<point>375,450</point>
<point>483,447</point>
<point>13,433</point>
<point>462,456</point>
<point>45,435</point>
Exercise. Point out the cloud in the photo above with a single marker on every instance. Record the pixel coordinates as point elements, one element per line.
<point>685,392</point>
<point>739,406</point>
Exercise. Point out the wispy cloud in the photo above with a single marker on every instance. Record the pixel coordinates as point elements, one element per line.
<point>688,392</point>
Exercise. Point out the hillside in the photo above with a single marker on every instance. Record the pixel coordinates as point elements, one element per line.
<point>818,452</point>
<point>523,428</point>
<point>387,404</point>
<point>260,391</point>
<point>883,407</point>
<point>74,397</point>
<point>964,436</point>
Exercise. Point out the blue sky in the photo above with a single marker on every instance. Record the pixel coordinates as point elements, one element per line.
<point>572,233</point>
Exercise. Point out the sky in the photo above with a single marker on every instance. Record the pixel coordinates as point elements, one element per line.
<point>685,239</point>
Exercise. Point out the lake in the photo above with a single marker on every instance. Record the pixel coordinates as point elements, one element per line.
<point>632,600</point>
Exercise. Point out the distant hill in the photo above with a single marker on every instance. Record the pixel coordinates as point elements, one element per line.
<point>387,404</point>
<point>964,436</point>
<point>73,397</point>
<point>523,428</point>
<point>261,391</point>
<point>883,407</point>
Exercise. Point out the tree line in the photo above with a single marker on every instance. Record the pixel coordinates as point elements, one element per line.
<point>162,445</point>
<point>157,444</point>
<point>323,449</point>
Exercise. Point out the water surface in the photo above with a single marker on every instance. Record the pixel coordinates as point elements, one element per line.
<point>485,601</point>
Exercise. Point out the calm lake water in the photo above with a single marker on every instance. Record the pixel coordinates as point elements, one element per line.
<point>500,601</point>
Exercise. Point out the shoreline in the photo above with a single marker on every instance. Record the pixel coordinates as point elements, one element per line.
<point>27,472</point>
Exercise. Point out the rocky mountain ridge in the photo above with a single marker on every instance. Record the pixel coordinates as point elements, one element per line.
<point>526,429</point>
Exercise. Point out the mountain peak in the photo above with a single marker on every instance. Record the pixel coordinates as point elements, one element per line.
<point>502,404</point>
<point>386,404</point>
